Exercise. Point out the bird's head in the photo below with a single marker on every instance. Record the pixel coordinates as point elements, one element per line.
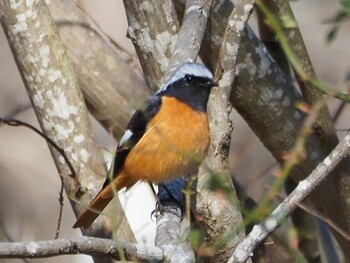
<point>191,83</point>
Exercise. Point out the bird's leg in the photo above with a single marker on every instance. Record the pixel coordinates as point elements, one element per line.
<point>159,209</point>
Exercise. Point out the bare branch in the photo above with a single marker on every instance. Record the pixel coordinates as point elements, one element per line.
<point>110,88</point>
<point>266,99</point>
<point>280,214</point>
<point>227,217</point>
<point>53,89</point>
<point>153,30</point>
<point>110,99</point>
<point>168,233</point>
<point>83,245</point>
<point>190,35</point>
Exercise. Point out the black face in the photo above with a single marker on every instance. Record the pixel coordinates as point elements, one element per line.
<point>191,90</point>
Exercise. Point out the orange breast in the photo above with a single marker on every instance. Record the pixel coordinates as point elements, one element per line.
<point>174,144</point>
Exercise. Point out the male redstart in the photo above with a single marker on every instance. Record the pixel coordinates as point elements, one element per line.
<point>165,140</point>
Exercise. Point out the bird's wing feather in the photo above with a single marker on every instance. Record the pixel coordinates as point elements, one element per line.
<point>135,130</point>
<point>138,123</point>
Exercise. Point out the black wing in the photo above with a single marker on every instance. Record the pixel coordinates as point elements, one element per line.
<point>138,123</point>
<point>134,131</point>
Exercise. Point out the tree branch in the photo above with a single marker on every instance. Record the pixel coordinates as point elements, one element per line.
<point>190,35</point>
<point>83,245</point>
<point>280,214</point>
<point>153,30</point>
<point>110,99</point>
<point>266,99</point>
<point>53,89</point>
<point>222,215</point>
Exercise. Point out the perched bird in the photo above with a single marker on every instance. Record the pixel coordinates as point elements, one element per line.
<point>165,140</point>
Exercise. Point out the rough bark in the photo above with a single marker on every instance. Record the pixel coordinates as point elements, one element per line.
<point>110,99</point>
<point>56,98</point>
<point>280,214</point>
<point>304,223</point>
<point>111,89</point>
<point>222,222</point>
<point>153,31</point>
<point>266,99</point>
<point>83,245</point>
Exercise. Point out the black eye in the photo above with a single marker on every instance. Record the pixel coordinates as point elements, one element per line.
<point>188,78</point>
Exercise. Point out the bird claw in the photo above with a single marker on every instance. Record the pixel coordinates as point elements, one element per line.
<point>158,211</point>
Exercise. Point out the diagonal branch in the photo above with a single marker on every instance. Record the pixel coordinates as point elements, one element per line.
<point>266,99</point>
<point>280,214</point>
<point>110,88</point>
<point>54,92</point>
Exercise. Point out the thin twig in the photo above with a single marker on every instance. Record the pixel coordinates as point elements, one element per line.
<point>327,220</point>
<point>339,111</point>
<point>61,202</point>
<point>17,123</point>
<point>322,217</point>
<point>280,214</point>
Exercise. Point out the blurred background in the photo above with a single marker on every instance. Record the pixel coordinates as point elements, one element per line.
<point>29,183</point>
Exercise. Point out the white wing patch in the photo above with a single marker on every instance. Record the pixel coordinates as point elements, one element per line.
<point>188,68</point>
<point>126,136</point>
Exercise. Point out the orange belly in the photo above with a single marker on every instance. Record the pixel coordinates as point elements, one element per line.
<point>174,144</point>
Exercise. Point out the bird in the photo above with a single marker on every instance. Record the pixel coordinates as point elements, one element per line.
<point>165,139</point>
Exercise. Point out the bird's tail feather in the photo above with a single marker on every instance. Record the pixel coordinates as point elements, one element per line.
<point>96,206</point>
<point>102,199</point>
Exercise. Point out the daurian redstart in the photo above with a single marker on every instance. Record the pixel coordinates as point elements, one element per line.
<point>166,139</point>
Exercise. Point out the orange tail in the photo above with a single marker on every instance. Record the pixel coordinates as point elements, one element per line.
<point>102,199</point>
<point>96,206</point>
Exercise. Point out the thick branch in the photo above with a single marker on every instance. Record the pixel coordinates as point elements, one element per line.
<point>153,30</point>
<point>168,236</point>
<point>280,214</point>
<point>53,89</point>
<point>266,99</point>
<point>110,87</point>
<point>304,223</point>
<point>222,216</point>
<point>190,35</point>
<point>83,245</point>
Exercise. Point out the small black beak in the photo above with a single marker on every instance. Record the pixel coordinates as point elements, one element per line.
<point>210,84</point>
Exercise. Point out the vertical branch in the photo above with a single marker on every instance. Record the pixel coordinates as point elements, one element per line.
<point>54,92</point>
<point>110,88</point>
<point>306,73</point>
<point>222,215</point>
<point>153,30</point>
<point>190,35</point>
